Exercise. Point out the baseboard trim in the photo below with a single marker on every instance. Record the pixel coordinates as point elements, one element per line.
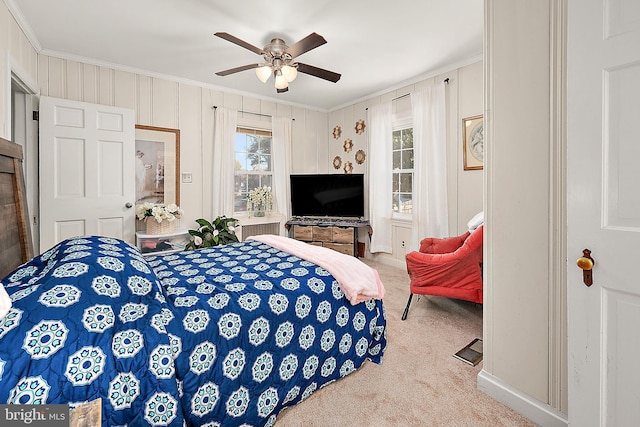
<point>536,411</point>
<point>387,259</point>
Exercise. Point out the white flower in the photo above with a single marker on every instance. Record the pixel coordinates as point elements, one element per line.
<point>159,212</point>
<point>215,233</point>
<point>197,240</point>
<point>260,198</point>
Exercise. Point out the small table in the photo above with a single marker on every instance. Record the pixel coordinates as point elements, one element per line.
<point>162,244</point>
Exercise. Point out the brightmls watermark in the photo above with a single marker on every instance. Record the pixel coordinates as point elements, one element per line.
<point>34,415</point>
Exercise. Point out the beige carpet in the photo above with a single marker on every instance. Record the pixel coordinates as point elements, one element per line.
<point>419,382</point>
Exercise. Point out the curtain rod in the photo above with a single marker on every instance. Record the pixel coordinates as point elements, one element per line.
<point>446,81</point>
<point>400,97</point>
<point>249,112</point>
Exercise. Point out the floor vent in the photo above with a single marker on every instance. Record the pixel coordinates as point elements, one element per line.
<point>257,229</point>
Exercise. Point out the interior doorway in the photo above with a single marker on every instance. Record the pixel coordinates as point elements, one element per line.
<point>24,131</point>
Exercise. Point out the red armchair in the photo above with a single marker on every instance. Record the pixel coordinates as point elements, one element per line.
<point>447,267</point>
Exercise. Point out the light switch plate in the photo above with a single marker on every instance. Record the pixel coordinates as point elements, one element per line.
<point>187,177</point>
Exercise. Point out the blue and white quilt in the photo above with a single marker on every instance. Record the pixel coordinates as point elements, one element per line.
<point>223,336</point>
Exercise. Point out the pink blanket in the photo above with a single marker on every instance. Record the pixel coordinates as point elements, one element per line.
<point>358,281</point>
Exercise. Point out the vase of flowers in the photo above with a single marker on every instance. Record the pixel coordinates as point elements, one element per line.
<point>159,218</point>
<point>220,231</point>
<point>259,201</point>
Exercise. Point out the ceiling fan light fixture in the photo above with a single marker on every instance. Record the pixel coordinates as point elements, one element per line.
<point>263,73</point>
<point>281,82</point>
<point>290,73</point>
<point>279,59</point>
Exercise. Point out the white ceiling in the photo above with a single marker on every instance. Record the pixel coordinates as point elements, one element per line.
<point>375,44</point>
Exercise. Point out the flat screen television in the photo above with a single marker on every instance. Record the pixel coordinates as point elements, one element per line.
<point>330,195</point>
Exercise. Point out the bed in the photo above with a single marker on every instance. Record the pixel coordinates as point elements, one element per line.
<point>223,336</point>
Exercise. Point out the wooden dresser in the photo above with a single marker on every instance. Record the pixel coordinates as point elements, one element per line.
<point>338,234</point>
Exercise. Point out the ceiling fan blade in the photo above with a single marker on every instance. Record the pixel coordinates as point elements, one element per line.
<point>312,41</point>
<point>237,69</point>
<point>286,89</point>
<point>318,72</point>
<point>244,44</point>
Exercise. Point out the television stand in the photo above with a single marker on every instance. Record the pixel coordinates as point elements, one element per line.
<point>339,234</point>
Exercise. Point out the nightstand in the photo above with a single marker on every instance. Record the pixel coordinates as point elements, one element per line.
<point>162,244</point>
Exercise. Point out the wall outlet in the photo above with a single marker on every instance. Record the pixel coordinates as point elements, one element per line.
<point>403,243</point>
<point>187,178</point>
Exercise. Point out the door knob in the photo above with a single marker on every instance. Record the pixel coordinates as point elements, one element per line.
<point>586,263</point>
<point>128,205</point>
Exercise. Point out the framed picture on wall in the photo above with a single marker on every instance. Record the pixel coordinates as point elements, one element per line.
<point>473,142</point>
<point>157,165</point>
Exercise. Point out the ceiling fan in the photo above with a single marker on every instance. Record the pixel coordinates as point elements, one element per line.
<point>279,60</point>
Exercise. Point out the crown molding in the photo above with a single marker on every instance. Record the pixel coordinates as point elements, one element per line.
<point>416,79</point>
<point>180,80</point>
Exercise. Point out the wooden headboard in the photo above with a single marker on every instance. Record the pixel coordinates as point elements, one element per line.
<point>16,246</point>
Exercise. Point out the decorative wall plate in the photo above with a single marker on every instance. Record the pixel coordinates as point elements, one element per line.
<point>337,131</point>
<point>337,162</point>
<point>348,145</point>
<point>348,167</point>
<point>360,156</point>
<point>360,126</point>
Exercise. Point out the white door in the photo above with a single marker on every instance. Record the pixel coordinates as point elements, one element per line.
<point>87,171</point>
<point>604,211</point>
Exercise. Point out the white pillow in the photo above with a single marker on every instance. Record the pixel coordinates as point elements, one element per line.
<point>5,302</point>
<point>476,221</point>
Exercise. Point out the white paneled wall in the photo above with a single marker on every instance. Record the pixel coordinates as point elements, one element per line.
<point>310,136</point>
<point>464,99</point>
<point>16,56</point>
<point>346,119</point>
<point>525,358</point>
<point>171,104</point>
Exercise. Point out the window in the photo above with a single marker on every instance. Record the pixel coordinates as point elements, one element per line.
<point>253,164</point>
<point>402,185</point>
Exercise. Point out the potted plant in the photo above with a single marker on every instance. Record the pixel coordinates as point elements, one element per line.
<point>220,231</point>
<point>159,218</point>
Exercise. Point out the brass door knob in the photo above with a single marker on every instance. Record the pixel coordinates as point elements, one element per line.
<point>586,263</point>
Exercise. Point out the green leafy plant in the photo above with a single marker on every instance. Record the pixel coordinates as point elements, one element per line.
<point>220,231</point>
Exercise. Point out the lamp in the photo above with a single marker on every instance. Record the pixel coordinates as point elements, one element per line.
<point>263,72</point>
<point>279,62</point>
<point>281,81</point>
<point>290,73</point>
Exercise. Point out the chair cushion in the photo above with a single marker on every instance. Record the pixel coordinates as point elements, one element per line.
<point>476,221</point>
<point>445,245</point>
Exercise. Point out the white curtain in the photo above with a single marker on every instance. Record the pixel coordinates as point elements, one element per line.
<point>223,183</point>
<point>379,173</point>
<point>430,208</point>
<point>281,156</point>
